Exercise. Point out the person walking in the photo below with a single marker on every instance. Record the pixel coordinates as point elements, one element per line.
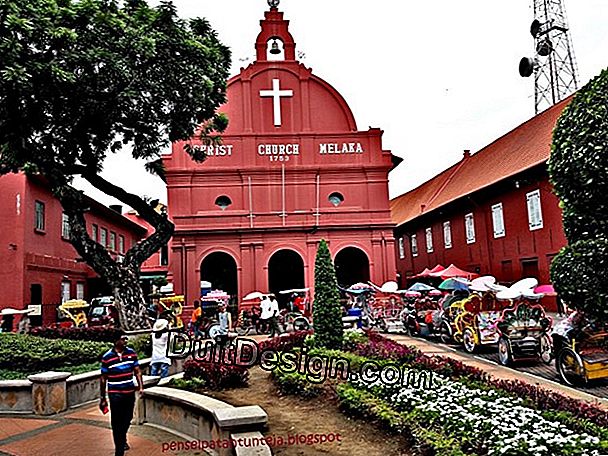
<point>266,314</point>
<point>225,320</point>
<point>118,365</point>
<point>160,362</point>
<point>274,308</point>
<point>195,319</point>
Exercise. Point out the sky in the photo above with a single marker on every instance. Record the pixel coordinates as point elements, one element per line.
<point>437,76</point>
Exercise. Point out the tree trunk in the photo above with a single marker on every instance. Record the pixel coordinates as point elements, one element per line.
<point>130,300</point>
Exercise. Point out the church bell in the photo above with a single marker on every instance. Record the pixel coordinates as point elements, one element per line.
<point>274,48</point>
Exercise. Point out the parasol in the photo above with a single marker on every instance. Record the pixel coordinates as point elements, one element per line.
<point>419,286</point>
<point>454,284</point>
<point>254,295</point>
<point>547,290</point>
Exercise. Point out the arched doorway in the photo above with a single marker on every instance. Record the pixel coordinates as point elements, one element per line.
<point>220,269</point>
<point>352,266</point>
<point>285,271</point>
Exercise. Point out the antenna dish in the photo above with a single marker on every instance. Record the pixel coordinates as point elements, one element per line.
<point>544,47</point>
<point>526,67</point>
<point>535,28</point>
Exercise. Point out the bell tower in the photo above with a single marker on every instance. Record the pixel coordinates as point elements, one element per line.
<point>274,36</point>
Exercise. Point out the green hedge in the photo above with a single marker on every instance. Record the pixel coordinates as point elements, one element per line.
<point>30,354</point>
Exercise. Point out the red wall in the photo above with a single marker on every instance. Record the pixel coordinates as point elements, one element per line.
<point>489,255</point>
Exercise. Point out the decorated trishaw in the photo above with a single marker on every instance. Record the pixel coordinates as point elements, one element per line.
<point>524,329</point>
<point>171,307</point>
<point>581,348</point>
<point>422,313</point>
<point>73,312</point>
<point>297,314</point>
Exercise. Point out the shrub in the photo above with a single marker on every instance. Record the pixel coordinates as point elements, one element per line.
<point>351,339</point>
<point>296,384</point>
<point>94,333</point>
<point>285,342</point>
<point>216,375</point>
<point>327,312</point>
<point>142,345</point>
<point>31,354</point>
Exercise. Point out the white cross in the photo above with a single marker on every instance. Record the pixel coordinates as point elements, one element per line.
<point>276,93</point>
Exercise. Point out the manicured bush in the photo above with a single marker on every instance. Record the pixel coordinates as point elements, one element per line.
<point>327,312</point>
<point>94,333</point>
<point>216,375</point>
<point>285,341</point>
<point>142,345</point>
<point>296,384</point>
<point>32,354</point>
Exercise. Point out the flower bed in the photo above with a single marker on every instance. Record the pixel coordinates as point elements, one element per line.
<point>95,333</point>
<point>216,375</point>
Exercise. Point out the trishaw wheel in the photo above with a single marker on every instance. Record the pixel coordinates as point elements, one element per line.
<point>301,324</point>
<point>468,340</point>
<point>546,350</point>
<point>504,351</point>
<point>570,367</point>
<point>213,331</point>
<point>243,331</point>
<point>446,333</point>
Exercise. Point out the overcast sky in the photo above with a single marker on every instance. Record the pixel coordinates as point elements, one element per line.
<point>437,76</point>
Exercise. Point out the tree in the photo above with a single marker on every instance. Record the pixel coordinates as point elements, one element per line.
<point>80,79</point>
<point>327,313</point>
<point>579,173</point>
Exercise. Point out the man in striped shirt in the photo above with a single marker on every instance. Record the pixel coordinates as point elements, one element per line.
<point>118,365</point>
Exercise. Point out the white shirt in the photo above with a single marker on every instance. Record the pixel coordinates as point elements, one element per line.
<point>159,349</point>
<point>274,307</point>
<point>266,307</point>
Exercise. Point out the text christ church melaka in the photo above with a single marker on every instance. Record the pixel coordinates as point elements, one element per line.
<point>292,169</point>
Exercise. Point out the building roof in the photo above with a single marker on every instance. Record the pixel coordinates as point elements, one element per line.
<point>523,148</point>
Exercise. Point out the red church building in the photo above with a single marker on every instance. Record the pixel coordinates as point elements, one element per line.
<point>292,169</point>
<point>493,213</point>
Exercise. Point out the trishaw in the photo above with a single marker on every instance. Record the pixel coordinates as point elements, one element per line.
<point>171,307</point>
<point>103,312</point>
<point>523,329</point>
<point>75,311</point>
<point>422,316</point>
<point>298,312</point>
<point>581,348</point>
<point>210,303</point>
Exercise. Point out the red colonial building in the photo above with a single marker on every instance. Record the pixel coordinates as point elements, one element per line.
<point>292,169</point>
<point>38,265</point>
<point>494,212</point>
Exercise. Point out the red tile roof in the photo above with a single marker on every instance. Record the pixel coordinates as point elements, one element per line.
<point>523,148</point>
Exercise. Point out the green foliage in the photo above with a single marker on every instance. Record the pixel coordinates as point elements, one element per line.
<point>297,384</point>
<point>580,274</point>
<point>579,172</point>
<point>327,313</point>
<point>195,384</point>
<point>142,345</point>
<point>351,339</point>
<point>80,79</point>
<point>30,354</point>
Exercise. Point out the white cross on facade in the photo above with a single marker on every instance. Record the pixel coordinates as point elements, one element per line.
<point>276,93</point>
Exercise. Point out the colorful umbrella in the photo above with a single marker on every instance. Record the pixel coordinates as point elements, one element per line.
<point>454,284</point>
<point>418,286</point>
<point>547,290</point>
<point>412,294</point>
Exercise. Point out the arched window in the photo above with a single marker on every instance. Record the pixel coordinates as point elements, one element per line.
<point>336,199</point>
<point>223,202</point>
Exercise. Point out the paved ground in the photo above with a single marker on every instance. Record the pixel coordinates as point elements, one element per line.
<point>535,374</point>
<point>84,431</point>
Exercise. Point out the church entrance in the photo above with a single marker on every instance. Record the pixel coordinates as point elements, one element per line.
<point>220,269</point>
<point>285,272</point>
<point>352,266</point>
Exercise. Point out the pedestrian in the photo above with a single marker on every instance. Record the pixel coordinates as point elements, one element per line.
<point>195,319</point>
<point>160,362</point>
<point>118,365</point>
<point>274,308</point>
<point>7,323</point>
<point>266,313</point>
<point>225,320</point>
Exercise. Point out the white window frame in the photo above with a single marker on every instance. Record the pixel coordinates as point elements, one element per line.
<point>535,210</point>
<point>447,235</point>
<point>401,245</point>
<point>469,228</point>
<point>121,244</point>
<point>429,239</point>
<point>103,237</point>
<point>79,290</point>
<point>414,244</point>
<point>498,221</point>
<point>65,291</point>
<point>65,226</point>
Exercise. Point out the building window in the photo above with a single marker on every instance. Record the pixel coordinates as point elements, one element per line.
<point>429,240</point>
<point>39,222</point>
<point>121,244</point>
<point>223,202</point>
<point>414,245</point>
<point>79,290</point>
<point>401,243</point>
<point>112,245</point>
<point>164,255</point>
<point>535,213</point>
<point>94,231</point>
<point>498,221</point>
<point>103,237</point>
<point>336,199</point>
<point>65,291</point>
<point>65,226</point>
<point>447,235</point>
<point>469,226</point>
